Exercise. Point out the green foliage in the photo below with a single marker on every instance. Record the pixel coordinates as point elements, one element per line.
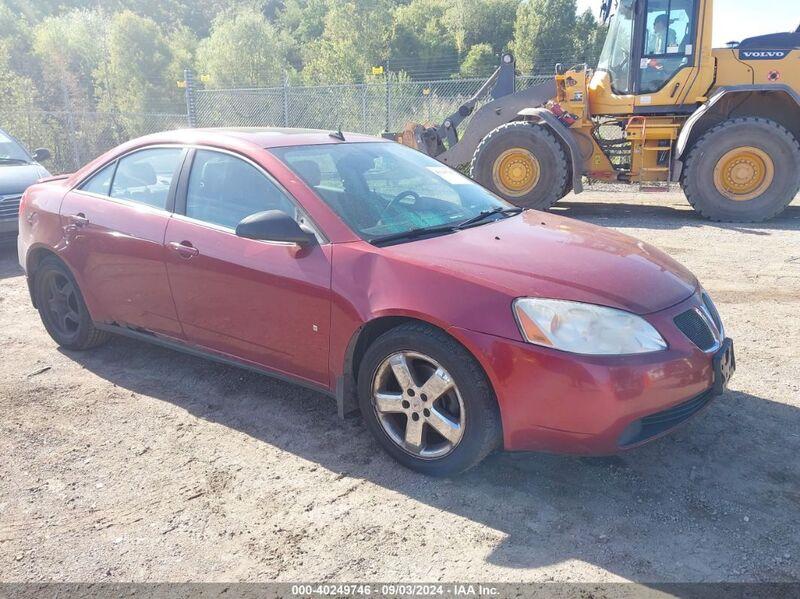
<point>479,62</point>
<point>589,37</point>
<point>139,57</point>
<point>244,49</point>
<point>544,34</point>
<point>422,43</point>
<point>354,39</point>
<point>128,55</point>
<point>472,22</point>
<point>70,51</point>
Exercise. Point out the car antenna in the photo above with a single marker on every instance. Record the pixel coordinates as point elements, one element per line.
<point>337,134</point>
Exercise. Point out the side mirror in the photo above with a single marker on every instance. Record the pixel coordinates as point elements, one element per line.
<point>41,154</point>
<point>273,225</point>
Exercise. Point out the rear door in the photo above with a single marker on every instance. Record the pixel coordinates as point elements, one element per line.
<point>261,302</point>
<point>114,231</point>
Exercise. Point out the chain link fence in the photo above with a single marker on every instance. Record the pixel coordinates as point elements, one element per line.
<point>74,138</point>
<point>363,108</point>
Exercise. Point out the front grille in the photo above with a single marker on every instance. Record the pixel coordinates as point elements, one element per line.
<point>696,328</point>
<point>660,422</point>
<point>9,207</point>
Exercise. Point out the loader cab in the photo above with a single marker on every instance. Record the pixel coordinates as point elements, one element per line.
<point>651,56</point>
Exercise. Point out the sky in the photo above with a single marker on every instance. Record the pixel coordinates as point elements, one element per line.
<point>735,20</point>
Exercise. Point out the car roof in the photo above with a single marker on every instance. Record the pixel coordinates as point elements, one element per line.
<point>265,137</point>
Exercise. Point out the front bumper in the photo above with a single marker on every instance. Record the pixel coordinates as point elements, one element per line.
<point>590,405</point>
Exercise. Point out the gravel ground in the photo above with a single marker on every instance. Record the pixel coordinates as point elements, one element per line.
<point>132,462</point>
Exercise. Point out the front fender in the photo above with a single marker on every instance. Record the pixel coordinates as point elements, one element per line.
<point>543,115</point>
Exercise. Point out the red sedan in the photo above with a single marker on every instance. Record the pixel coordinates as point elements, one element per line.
<point>454,321</point>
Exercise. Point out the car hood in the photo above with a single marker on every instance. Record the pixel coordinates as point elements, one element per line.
<point>16,178</point>
<point>542,255</point>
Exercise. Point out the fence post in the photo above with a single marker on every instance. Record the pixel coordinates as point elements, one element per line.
<point>191,100</point>
<point>388,97</point>
<point>285,99</point>
<point>71,132</point>
<point>364,89</point>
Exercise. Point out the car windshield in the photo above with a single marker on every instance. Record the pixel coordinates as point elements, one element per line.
<point>388,192</point>
<point>11,152</point>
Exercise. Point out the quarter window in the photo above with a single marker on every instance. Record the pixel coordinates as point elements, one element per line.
<point>224,189</point>
<point>100,183</point>
<point>146,176</point>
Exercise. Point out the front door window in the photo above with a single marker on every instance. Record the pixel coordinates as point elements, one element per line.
<point>668,42</point>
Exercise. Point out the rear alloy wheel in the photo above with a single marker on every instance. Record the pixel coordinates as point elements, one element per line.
<point>62,309</point>
<point>427,401</point>
<point>523,163</point>
<point>743,170</point>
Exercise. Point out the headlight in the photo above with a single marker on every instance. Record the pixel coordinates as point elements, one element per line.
<point>585,328</point>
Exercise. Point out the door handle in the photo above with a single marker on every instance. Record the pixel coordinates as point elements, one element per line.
<point>184,248</point>
<point>79,220</point>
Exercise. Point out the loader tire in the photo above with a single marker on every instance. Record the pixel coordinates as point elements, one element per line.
<point>523,163</point>
<point>743,170</point>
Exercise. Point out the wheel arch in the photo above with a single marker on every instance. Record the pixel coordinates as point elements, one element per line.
<point>364,336</point>
<point>776,102</point>
<point>33,260</point>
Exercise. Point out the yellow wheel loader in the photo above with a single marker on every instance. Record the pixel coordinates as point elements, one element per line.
<point>661,107</point>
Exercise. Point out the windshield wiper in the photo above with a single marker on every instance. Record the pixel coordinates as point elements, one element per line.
<point>412,234</point>
<point>484,214</point>
<point>422,231</point>
<point>13,161</point>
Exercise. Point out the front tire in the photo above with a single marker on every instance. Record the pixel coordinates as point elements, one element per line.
<point>62,309</point>
<point>743,170</point>
<point>523,163</point>
<point>427,401</point>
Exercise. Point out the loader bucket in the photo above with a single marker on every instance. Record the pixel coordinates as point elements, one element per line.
<point>417,136</point>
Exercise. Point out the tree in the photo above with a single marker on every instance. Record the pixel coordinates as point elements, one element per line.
<point>588,38</point>
<point>474,22</point>
<point>244,49</point>
<point>543,34</point>
<point>355,38</point>
<point>479,62</point>
<point>139,59</point>
<point>422,42</point>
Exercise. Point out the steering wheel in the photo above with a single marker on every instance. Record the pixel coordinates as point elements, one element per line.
<point>397,198</point>
<point>626,56</point>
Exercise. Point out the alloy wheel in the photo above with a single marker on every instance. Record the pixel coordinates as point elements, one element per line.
<point>418,405</point>
<point>61,304</point>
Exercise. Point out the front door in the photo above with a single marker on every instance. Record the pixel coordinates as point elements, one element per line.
<point>264,303</point>
<point>114,233</point>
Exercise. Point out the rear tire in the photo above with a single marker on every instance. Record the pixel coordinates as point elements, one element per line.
<point>62,309</point>
<point>445,381</point>
<point>523,163</point>
<point>743,170</point>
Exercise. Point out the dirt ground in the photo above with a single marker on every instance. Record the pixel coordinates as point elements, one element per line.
<point>134,463</point>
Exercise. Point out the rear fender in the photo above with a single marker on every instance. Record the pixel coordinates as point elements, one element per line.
<point>694,124</point>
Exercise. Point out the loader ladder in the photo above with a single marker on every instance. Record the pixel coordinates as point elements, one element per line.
<point>656,155</point>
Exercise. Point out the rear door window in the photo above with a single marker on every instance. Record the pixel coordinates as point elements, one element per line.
<point>100,183</point>
<point>224,189</point>
<point>146,176</point>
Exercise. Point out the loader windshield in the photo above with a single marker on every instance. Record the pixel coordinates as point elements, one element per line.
<point>615,58</point>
